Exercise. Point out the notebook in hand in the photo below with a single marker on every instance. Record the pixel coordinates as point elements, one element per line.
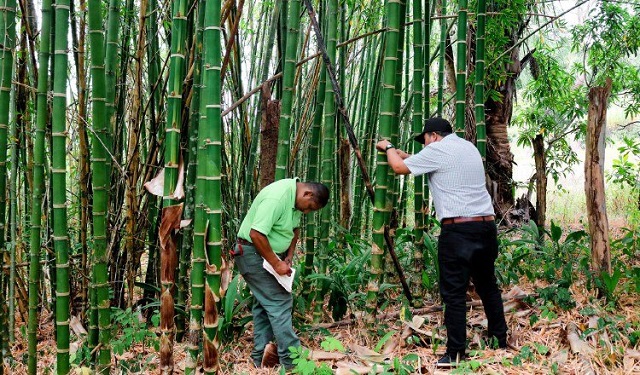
<point>284,280</point>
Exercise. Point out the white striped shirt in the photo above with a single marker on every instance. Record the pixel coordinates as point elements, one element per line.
<point>456,177</point>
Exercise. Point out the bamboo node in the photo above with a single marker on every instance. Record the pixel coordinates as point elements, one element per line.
<point>211,178</point>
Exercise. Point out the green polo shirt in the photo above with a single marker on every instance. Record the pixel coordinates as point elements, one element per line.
<point>273,213</point>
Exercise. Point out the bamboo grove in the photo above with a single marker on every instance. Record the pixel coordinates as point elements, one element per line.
<point>133,136</point>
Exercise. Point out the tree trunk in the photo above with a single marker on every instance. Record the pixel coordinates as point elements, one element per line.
<point>541,180</point>
<point>269,141</point>
<point>499,156</point>
<point>594,178</point>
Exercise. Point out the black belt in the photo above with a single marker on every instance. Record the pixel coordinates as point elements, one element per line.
<point>242,241</point>
<point>460,219</point>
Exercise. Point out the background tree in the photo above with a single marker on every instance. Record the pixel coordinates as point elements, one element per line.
<point>554,111</point>
<point>608,38</point>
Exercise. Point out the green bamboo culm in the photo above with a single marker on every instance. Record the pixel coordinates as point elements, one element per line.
<point>195,22</point>
<point>288,84</point>
<point>9,328</point>
<point>211,141</point>
<point>442,50</point>
<point>42,115</point>
<point>59,185</point>
<point>171,211</point>
<point>417,120</point>
<point>481,129</point>
<point>428,8</point>
<point>387,117</point>
<point>194,334</point>
<point>8,30</point>
<point>111,58</point>
<point>312,175</point>
<point>328,156</point>
<point>461,68</point>
<point>99,184</point>
<point>155,129</point>
<point>329,134</point>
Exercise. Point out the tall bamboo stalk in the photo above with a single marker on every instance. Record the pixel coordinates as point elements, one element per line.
<point>418,115</point>
<point>328,155</point>
<point>13,185</point>
<point>111,58</point>
<point>461,74</point>
<point>99,182</point>
<point>134,230</point>
<point>441,55</point>
<point>387,117</point>
<point>211,140</point>
<point>42,115</point>
<point>312,175</point>
<point>59,185</point>
<point>168,256</point>
<point>8,30</point>
<point>481,129</point>
<point>154,84</point>
<point>194,335</point>
<point>288,84</point>
<point>329,134</point>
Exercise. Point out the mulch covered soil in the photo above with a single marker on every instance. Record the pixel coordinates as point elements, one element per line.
<point>566,342</point>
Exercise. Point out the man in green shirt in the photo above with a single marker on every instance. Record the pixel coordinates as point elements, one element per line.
<point>269,232</point>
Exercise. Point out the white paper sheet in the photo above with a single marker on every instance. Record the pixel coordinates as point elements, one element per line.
<point>284,280</point>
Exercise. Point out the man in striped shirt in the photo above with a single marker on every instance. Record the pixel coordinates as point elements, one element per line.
<point>468,244</point>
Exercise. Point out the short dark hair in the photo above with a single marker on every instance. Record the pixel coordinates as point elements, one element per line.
<point>320,193</point>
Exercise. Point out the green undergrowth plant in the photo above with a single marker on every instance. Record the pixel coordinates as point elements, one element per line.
<point>626,170</point>
<point>406,365</point>
<point>404,246</point>
<point>348,273</point>
<point>236,304</point>
<point>624,277</point>
<point>130,329</point>
<point>306,366</point>
<point>538,254</point>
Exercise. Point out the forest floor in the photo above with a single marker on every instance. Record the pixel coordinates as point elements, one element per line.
<point>545,347</point>
<point>593,337</point>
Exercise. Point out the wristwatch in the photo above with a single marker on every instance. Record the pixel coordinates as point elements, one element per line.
<point>389,146</point>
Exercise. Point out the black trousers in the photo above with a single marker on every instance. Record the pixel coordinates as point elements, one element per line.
<point>468,251</point>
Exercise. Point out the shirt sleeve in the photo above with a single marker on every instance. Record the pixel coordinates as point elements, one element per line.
<point>267,213</point>
<point>428,160</point>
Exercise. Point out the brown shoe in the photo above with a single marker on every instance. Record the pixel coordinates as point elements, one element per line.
<point>270,356</point>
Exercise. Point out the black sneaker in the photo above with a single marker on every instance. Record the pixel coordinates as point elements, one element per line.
<point>448,360</point>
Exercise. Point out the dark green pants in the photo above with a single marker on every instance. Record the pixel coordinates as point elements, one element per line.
<point>272,307</point>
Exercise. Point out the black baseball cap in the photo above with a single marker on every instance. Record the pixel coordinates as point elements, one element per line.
<point>434,124</point>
